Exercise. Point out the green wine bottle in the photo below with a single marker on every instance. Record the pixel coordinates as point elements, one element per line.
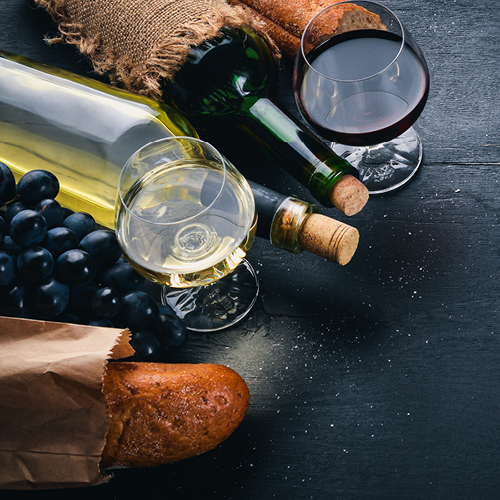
<point>228,80</point>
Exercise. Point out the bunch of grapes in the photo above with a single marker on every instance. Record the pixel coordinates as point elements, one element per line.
<point>58,265</point>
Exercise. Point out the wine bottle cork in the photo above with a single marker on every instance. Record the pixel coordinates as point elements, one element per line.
<point>329,238</point>
<point>349,195</point>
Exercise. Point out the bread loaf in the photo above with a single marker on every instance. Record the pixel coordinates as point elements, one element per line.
<point>286,20</point>
<point>162,413</point>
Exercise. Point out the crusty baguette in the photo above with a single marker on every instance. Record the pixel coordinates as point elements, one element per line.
<point>287,43</point>
<point>162,413</point>
<point>286,20</point>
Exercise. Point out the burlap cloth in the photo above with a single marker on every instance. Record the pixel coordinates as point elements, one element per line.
<point>139,42</point>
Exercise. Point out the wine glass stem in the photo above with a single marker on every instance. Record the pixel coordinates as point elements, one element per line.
<point>387,166</point>
<point>217,306</point>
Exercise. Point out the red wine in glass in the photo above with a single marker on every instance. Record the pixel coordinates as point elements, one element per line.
<point>368,116</point>
<point>363,89</point>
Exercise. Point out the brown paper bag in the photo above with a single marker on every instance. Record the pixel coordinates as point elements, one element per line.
<point>53,417</point>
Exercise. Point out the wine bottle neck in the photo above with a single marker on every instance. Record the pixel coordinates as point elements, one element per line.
<point>295,225</point>
<point>288,222</point>
<point>228,79</point>
<point>306,157</point>
<point>280,217</point>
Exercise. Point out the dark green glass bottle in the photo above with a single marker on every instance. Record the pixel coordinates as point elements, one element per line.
<point>229,79</point>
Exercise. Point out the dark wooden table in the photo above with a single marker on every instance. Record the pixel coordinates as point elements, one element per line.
<point>381,379</point>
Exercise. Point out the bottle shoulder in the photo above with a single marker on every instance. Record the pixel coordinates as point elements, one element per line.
<point>223,74</point>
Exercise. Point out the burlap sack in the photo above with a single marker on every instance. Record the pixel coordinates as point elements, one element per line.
<point>139,42</point>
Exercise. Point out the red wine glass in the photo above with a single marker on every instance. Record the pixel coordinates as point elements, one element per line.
<point>361,81</point>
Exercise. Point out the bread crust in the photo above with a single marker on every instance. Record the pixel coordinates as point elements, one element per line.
<point>287,43</point>
<point>286,20</point>
<point>162,413</point>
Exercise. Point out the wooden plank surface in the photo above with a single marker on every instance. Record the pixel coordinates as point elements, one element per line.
<point>378,380</point>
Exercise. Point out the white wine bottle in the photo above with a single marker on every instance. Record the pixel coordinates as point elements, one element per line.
<point>84,131</point>
<point>81,130</point>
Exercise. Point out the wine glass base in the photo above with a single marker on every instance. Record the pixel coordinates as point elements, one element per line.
<point>387,166</point>
<point>216,306</point>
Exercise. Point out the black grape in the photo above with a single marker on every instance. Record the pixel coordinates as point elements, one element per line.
<point>105,322</point>
<point>68,317</point>
<point>124,277</point>
<point>7,184</point>
<point>75,267</point>
<point>51,297</point>
<point>37,185</point>
<point>139,309</point>
<point>3,229</point>
<point>178,332</point>
<point>35,263</point>
<point>28,228</point>
<point>12,210</point>
<point>51,211</point>
<point>106,302</point>
<point>56,264</point>
<point>66,212</point>
<point>103,246</point>
<point>9,246</point>
<point>81,223</point>
<point>146,346</point>
<point>8,269</point>
<point>170,331</point>
<point>14,302</point>
<point>58,240</point>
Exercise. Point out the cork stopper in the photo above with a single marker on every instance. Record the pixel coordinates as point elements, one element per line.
<point>329,238</point>
<point>349,195</point>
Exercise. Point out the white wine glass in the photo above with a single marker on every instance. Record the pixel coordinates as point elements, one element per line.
<point>362,82</point>
<point>185,219</point>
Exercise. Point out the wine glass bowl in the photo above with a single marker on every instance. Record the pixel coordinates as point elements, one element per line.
<point>361,81</point>
<point>185,217</point>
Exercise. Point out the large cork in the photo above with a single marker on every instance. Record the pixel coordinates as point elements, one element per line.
<point>349,195</point>
<point>329,238</point>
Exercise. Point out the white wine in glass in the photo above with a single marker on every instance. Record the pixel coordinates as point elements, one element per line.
<point>185,219</point>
